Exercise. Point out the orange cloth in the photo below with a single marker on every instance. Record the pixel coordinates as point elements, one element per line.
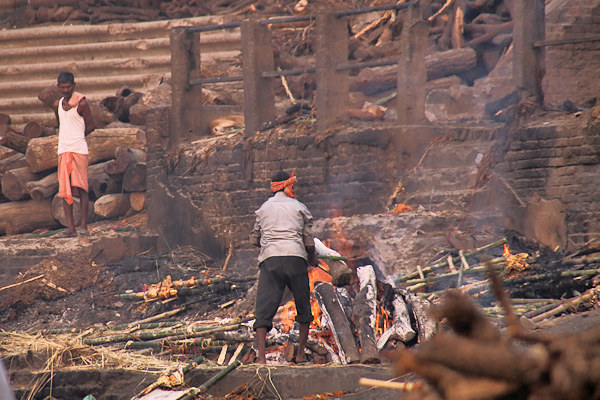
<point>287,186</point>
<point>72,171</point>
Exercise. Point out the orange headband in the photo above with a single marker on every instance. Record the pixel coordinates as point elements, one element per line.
<point>287,186</point>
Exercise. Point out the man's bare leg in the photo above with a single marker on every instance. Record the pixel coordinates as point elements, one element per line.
<point>302,339</point>
<point>261,345</point>
<point>69,216</point>
<point>84,202</point>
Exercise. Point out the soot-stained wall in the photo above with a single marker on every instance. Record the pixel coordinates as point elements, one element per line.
<point>204,192</point>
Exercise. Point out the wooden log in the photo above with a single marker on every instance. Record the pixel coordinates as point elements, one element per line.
<point>134,178</point>
<point>402,329</point>
<point>48,185</point>
<point>289,351</point>
<point>41,154</point>
<point>137,201</point>
<point>451,384</point>
<point>14,183</point>
<point>32,130</point>
<point>43,188</point>
<point>438,65</point>
<point>103,183</point>
<point>497,360</point>
<point>49,95</point>
<point>112,205</point>
<point>16,141</point>
<point>58,211</point>
<point>26,216</point>
<point>338,323</point>
<point>10,159</point>
<point>421,310</point>
<point>341,273</point>
<point>4,119</point>
<point>124,157</point>
<point>364,310</point>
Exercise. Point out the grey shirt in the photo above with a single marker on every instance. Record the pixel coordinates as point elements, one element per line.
<point>283,227</point>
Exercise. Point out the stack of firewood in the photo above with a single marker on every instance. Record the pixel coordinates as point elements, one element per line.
<point>114,11</point>
<point>470,359</point>
<point>28,167</point>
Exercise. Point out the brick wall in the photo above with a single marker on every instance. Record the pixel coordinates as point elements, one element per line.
<point>559,160</point>
<point>571,69</point>
<point>205,192</point>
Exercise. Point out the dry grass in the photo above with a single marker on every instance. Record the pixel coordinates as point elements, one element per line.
<point>68,352</point>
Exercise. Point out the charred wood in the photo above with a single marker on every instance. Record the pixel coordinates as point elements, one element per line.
<point>338,323</point>
<point>363,312</point>
<point>134,178</point>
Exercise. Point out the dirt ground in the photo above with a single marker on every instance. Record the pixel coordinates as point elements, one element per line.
<point>77,292</point>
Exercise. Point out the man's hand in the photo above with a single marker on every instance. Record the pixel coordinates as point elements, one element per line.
<point>312,256</point>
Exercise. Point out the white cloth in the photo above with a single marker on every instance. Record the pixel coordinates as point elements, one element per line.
<point>284,227</point>
<point>71,133</point>
<point>6,392</point>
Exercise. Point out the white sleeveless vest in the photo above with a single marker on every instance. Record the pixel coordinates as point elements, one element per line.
<point>71,133</point>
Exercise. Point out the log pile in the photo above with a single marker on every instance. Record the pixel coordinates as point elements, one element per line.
<point>538,279</point>
<point>362,319</point>
<point>114,11</point>
<point>470,357</point>
<point>28,168</point>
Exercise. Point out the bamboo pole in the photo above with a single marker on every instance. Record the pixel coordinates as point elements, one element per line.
<point>573,303</point>
<point>154,318</point>
<point>402,386</point>
<point>159,381</point>
<point>202,344</point>
<point>442,264</point>
<point>21,283</point>
<point>471,270</point>
<point>194,392</point>
<point>144,335</point>
<point>332,257</point>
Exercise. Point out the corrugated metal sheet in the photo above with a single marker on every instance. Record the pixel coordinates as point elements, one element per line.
<point>104,58</point>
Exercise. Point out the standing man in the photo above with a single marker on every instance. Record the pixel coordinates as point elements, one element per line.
<point>283,232</point>
<point>75,122</point>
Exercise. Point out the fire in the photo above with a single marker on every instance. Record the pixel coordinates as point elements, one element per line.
<point>383,321</point>
<point>401,208</point>
<point>506,250</point>
<point>287,312</point>
<point>515,263</point>
<point>326,395</point>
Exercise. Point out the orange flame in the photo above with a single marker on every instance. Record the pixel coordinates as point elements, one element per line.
<point>401,208</point>
<point>287,312</point>
<point>325,395</point>
<point>383,321</point>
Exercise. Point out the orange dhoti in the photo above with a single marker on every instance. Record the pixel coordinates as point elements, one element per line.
<point>72,172</point>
